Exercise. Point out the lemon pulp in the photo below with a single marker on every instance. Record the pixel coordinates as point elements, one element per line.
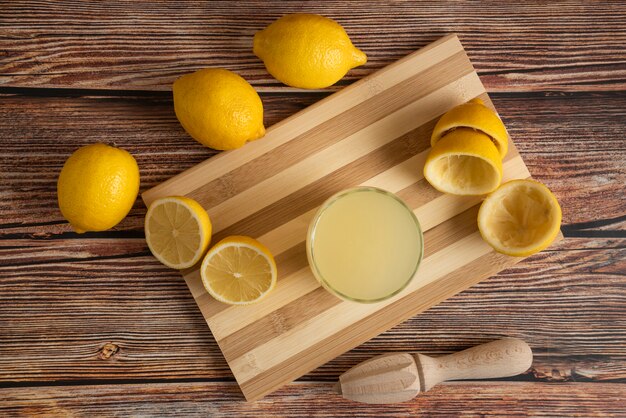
<point>521,218</point>
<point>239,270</point>
<point>178,231</point>
<point>464,162</point>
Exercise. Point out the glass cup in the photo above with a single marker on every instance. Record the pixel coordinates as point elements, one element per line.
<point>364,244</point>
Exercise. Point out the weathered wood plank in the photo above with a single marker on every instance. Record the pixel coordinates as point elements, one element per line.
<point>39,133</point>
<point>131,318</point>
<point>316,399</point>
<point>37,251</point>
<point>129,45</point>
<point>573,142</point>
<point>101,309</point>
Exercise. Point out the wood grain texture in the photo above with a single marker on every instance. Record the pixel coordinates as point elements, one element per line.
<point>568,302</point>
<point>570,45</point>
<point>316,399</point>
<point>345,140</point>
<point>131,318</point>
<point>400,377</point>
<point>553,148</point>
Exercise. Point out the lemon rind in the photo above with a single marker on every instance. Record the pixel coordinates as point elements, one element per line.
<point>203,236</point>
<point>499,136</point>
<point>528,250</point>
<point>449,146</point>
<point>233,241</point>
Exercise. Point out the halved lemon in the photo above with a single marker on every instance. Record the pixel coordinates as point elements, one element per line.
<point>238,270</point>
<point>521,218</point>
<point>178,231</point>
<point>464,162</point>
<point>474,115</point>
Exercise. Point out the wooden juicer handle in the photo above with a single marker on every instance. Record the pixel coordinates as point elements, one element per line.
<point>399,377</point>
<point>501,358</point>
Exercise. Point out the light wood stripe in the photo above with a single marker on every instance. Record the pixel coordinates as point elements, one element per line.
<point>393,180</point>
<point>314,194</point>
<point>296,125</point>
<point>375,132</point>
<point>227,320</point>
<point>278,322</point>
<point>292,287</point>
<point>287,345</point>
<point>347,150</point>
<point>195,283</point>
<point>288,234</point>
<point>431,294</point>
<point>311,196</point>
<point>264,328</point>
<point>325,135</point>
<point>431,213</point>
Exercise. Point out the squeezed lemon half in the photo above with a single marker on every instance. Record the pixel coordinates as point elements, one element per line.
<point>464,162</point>
<point>473,115</point>
<point>521,218</point>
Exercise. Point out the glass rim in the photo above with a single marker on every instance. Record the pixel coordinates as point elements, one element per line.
<point>311,238</point>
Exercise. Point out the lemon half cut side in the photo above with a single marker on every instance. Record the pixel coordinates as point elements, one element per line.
<point>238,270</point>
<point>521,218</point>
<point>178,231</point>
<point>465,163</point>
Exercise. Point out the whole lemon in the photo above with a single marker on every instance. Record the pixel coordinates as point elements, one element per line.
<point>307,51</point>
<point>97,187</point>
<point>218,108</point>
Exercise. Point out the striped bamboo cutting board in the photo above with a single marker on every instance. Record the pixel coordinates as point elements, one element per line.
<point>375,132</point>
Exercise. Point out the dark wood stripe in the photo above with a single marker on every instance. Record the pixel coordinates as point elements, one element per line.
<point>368,327</point>
<point>294,259</point>
<point>278,322</point>
<point>162,335</point>
<point>287,263</point>
<point>290,261</point>
<point>330,132</point>
<point>314,194</point>
<point>415,196</point>
<point>315,302</point>
<point>418,194</point>
<point>450,231</point>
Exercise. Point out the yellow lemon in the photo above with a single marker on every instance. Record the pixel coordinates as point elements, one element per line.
<point>475,115</point>
<point>178,231</point>
<point>521,218</point>
<point>218,108</point>
<point>238,270</point>
<point>464,162</point>
<point>97,187</point>
<point>307,51</point>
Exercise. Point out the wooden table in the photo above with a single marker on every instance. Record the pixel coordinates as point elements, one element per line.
<point>93,325</point>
